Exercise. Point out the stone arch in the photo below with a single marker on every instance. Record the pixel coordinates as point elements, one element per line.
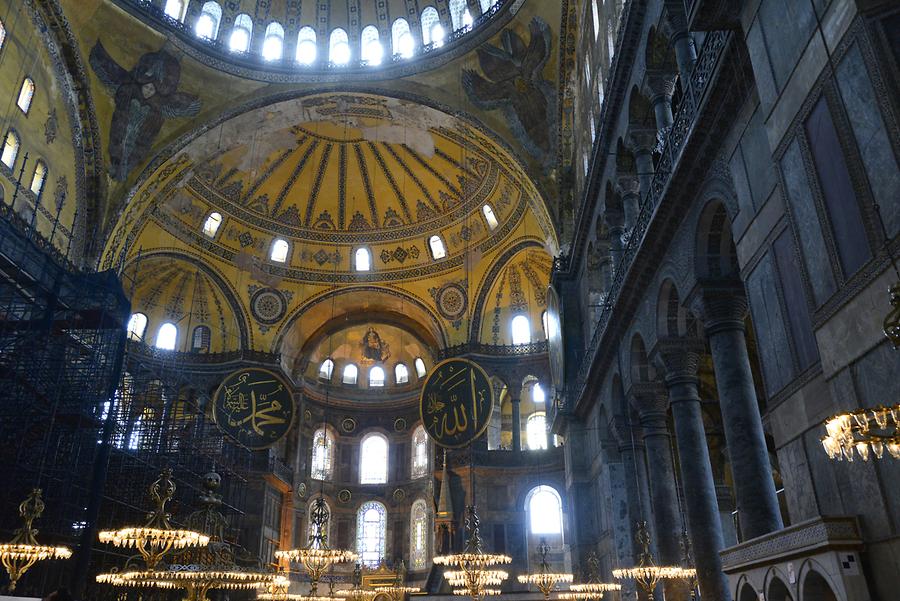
<point>659,54</point>
<point>619,403</point>
<point>624,160</point>
<point>715,255</point>
<point>775,587</point>
<point>640,111</point>
<point>672,318</point>
<point>641,369</point>
<point>745,591</point>
<point>612,200</point>
<point>815,585</point>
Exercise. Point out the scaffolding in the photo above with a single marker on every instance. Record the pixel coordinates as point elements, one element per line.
<point>92,417</point>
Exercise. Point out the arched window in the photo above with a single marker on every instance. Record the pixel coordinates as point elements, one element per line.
<point>521,330</point>
<point>371,526</point>
<point>545,322</point>
<point>419,452</point>
<point>137,325</point>
<point>401,374</point>
<point>595,12</point>
<point>418,535</point>
<point>437,247</point>
<point>175,9</point>
<point>200,339</point>
<point>208,22</point>
<point>2,34</point>
<point>306,46</point>
<point>26,94</point>
<point>489,216</point>
<point>370,43</point>
<point>241,33</point>
<point>593,127</point>
<point>166,336</point>
<point>10,149</point>
<point>544,507</point>
<point>401,38</point>
<point>350,374</point>
<point>339,47</point>
<point>428,21</point>
<point>611,39</point>
<point>373,459</point>
<point>376,377</point>
<point>538,396</point>
<point>212,223</point>
<point>420,367</point>
<point>487,4</point>
<point>273,43</point>
<point>311,534</point>
<point>460,15</point>
<point>326,369</point>
<point>536,431</point>
<point>280,249</point>
<point>38,177</point>
<point>362,259</point>
<point>322,455</point>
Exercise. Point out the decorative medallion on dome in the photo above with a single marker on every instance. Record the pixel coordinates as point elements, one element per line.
<point>399,495</point>
<point>344,496</point>
<point>400,424</point>
<point>348,424</point>
<point>267,305</point>
<point>301,490</point>
<point>451,300</point>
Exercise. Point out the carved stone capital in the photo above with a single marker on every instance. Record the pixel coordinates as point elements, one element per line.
<point>641,140</point>
<point>614,218</point>
<point>678,358</point>
<point>659,84</point>
<point>651,400</point>
<point>628,435</point>
<point>720,305</point>
<point>629,185</point>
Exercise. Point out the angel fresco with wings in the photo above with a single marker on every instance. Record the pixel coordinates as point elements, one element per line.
<point>144,98</point>
<point>513,82</point>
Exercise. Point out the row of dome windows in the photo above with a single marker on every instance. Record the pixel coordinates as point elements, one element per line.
<point>167,334</point>
<point>11,142</point>
<point>362,257</point>
<point>377,378</point>
<point>402,41</point>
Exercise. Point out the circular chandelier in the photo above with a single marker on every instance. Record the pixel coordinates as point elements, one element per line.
<point>157,537</point>
<point>488,592</point>
<point>195,581</point>
<point>317,557</point>
<point>23,551</point>
<point>473,575</point>
<point>647,574</point>
<point>589,591</point>
<point>544,579</point>
<point>866,432</point>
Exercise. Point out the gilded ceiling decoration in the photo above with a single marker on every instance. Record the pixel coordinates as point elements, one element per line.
<point>519,287</point>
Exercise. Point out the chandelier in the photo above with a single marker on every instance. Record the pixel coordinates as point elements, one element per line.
<point>473,576</point>
<point>23,551</point>
<point>198,569</point>
<point>647,574</point>
<point>593,589</point>
<point>865,431</point>
<point>544,579</point>
<point>398,590</point>
<point>157,537</point>
<point>317,557</point>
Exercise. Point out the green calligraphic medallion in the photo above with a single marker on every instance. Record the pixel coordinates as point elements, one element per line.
<point>254,406</point>
<point>456,403</point>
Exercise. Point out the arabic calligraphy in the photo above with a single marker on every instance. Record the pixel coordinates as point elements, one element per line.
<point>254,406</point>
<point>456,403</point>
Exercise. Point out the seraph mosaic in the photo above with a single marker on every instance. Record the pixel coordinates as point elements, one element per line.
<point>144,98</point>
<point>513,82</point>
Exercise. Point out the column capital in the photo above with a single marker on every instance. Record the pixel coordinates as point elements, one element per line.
<point>678,358</point>
<point>719,305</point>
<point>628,185</point>
<point>641,140</point>
<point>627,435</point>
<point>659,84</point>
<point>651,401</point>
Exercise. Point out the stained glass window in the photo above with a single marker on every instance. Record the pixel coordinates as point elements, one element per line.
<point>371,526</point>
<point>419,453</point>
<point>373,460</point>
<point>418,535</point>
<point>322,455</point>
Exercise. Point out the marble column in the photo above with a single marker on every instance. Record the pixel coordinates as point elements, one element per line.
<point>722,308</point>
<point>516,424</point>
<point>643,141</point>
<point>679,358</point>
<point>685,54</point>
<point>651,402</point>
<point>615,223</point>
<point>631,199</point>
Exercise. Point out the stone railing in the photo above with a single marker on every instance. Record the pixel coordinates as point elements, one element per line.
<point>803,539</point>
<point>494,350</point>
<point>688,110</point>
<point>157,355</point>
<point>219,47</point>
